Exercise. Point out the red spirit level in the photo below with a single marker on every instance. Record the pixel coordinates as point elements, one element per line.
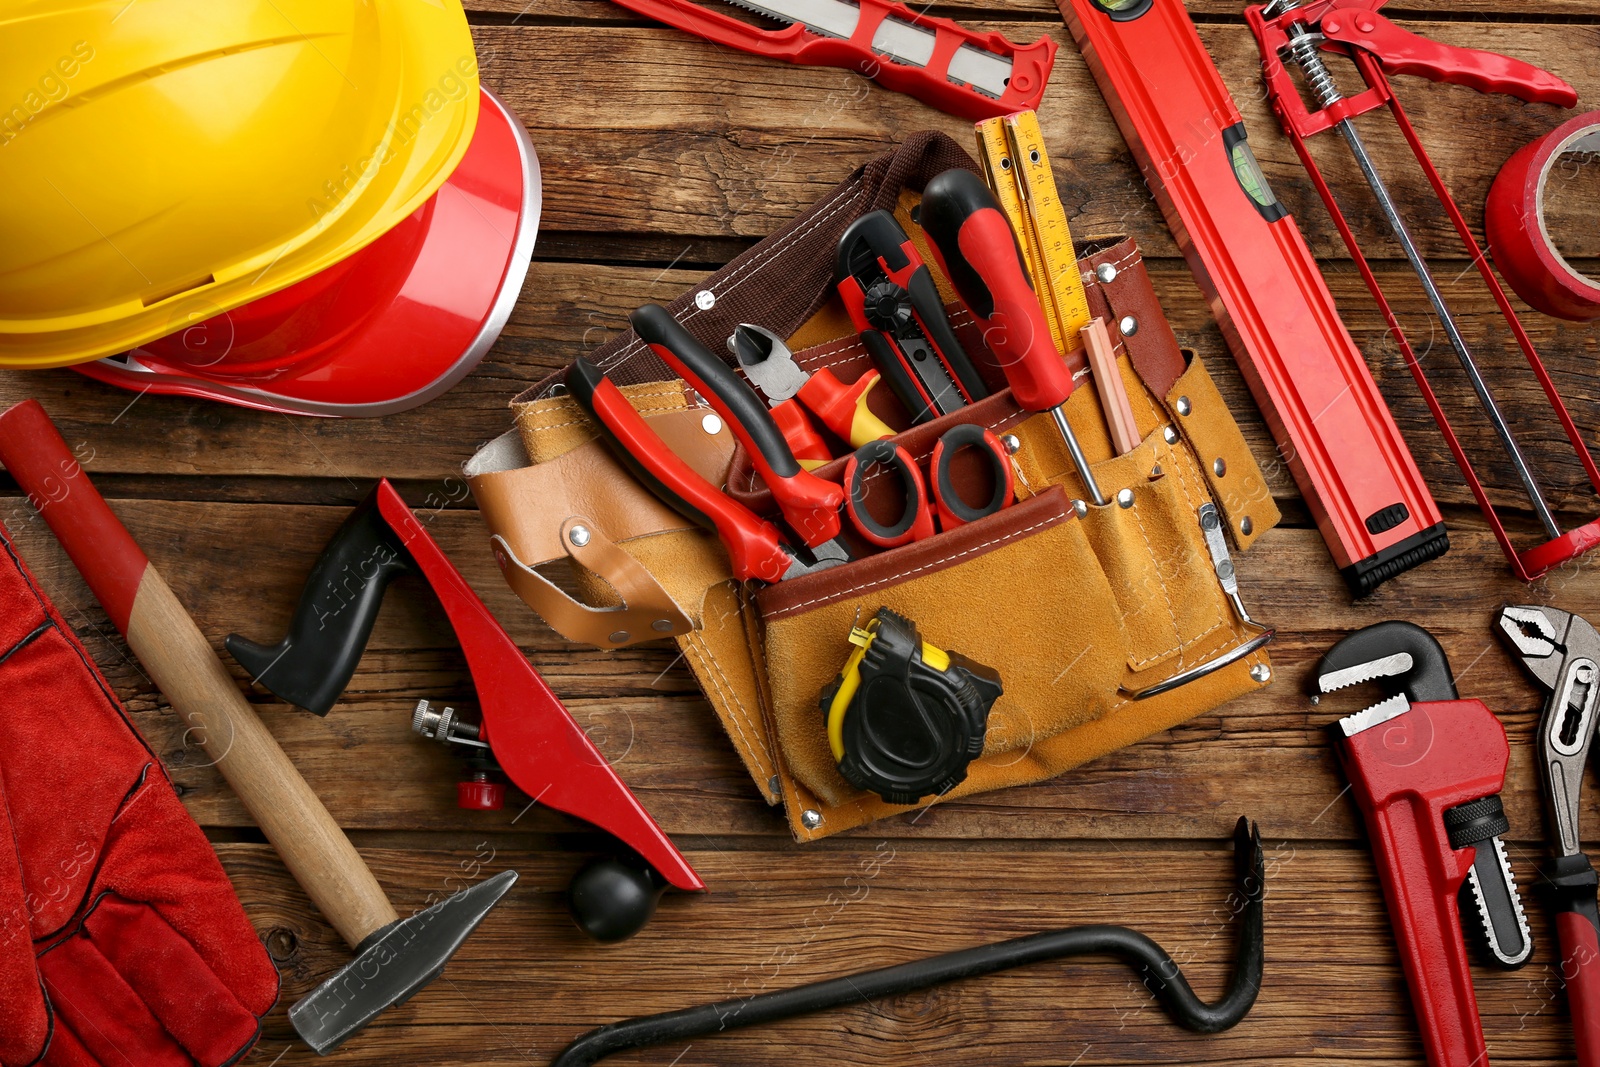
<point>1291,34</point>
<point>1312,383</point>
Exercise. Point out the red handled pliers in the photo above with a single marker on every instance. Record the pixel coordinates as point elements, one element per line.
<point>756,548</point>
<point>1562,652</point>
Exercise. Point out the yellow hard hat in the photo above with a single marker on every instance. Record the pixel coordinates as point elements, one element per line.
<point>162,161</point>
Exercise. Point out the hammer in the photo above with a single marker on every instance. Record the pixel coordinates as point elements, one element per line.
<point>394,957</point>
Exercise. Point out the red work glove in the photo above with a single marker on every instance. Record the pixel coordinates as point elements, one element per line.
<point>122,943</point>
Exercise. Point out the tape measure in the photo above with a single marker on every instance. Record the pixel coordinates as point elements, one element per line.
<point>905,718</point>
<point>1018,172</point>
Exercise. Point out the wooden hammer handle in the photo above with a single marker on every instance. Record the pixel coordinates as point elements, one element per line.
<point>186,668</point>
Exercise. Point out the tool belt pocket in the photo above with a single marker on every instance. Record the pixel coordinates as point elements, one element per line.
<point>1105,623</point>
<point>1000,591</point>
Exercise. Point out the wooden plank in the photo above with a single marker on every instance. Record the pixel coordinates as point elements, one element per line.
<point>1264,755</point>
<point>567,308</point>
<point>527,983</point>
<point>535,15</point>
<point>708,127</point>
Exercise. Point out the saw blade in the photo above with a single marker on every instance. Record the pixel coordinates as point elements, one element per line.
<point>901,41</point>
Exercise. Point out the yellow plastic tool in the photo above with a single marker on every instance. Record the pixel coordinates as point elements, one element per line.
<point>1018,172</point>
<point>167,160</point>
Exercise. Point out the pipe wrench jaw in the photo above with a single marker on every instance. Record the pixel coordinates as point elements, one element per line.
<point>1401,658</point>
<point>1421,740</point>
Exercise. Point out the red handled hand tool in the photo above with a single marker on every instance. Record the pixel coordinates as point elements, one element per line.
<point>756,550</point>
<point>1291,34</point>
<point>1426,769</point>
<point>526,732</point>
<point>896,308</point>
<point>1311,381</point>
<point>980,256</point>
<point>809,504</point>
<point>395,957</point>
<point>940,62</point>
<point>916,521</point>
<point>771,368</point>
<point>1562,653</point>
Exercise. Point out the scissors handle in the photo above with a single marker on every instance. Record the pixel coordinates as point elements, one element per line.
<point>948,507</point>
<point>953,509</point>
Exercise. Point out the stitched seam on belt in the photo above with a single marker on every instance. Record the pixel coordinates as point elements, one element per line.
<point>1172,614</point>
<point>881,582</point>
<point>824,212</point>
<point>539,426</point>
<point>738,715</point>
<point>1188,460</point>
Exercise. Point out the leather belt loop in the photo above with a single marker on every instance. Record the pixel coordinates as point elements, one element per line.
<point>646,613</point>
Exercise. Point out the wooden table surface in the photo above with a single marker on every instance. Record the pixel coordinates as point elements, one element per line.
<point>664,156</point>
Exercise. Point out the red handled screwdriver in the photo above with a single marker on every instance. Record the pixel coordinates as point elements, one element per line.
<point>979,254</point>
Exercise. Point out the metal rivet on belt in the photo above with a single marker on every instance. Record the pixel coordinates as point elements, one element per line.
<point>1183,405</point>
<point>775,786</point>
<point>1219,466</point>
<point>1261,673</point>
<point>618,637</point>
<point>1246,526</point>
<point>811,818</point>
<point>578,535</point>
<point>662,626</point>
<point>1128,325</point>
<point>1088,277</point>
<point>1125,498</point>
<point>705,300</point>
<point>711,423</point>
<point>1080,507</point>
<point>1156,472</point>
<point>1012,442</point>
<point>1106,273</point>
<point>1169,435</point>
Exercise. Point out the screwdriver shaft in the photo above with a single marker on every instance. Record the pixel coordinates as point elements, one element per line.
<point>1079,460</point>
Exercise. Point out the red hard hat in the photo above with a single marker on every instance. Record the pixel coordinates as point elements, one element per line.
<point>385,329</point>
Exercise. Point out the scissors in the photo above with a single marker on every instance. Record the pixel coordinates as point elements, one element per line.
<point>946,504</point>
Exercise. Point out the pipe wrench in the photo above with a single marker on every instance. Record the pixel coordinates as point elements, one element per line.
<point>1562,652</point>
<point>1426,769</point>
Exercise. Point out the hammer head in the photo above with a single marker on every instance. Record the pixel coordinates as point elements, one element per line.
<point>392,964</point>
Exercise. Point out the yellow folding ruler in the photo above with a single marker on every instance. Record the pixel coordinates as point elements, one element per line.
<point>1018,172</point>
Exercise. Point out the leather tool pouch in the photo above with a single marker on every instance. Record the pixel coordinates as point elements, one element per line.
<point>1078,607</point>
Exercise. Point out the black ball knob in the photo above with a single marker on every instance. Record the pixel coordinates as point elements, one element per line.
<point>611,898</point>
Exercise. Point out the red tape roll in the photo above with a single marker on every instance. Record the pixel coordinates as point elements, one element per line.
<point>1520,241</point>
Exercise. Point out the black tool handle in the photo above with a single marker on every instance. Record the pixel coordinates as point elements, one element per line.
<point>905,386</point>
<point>809,504</point>
<point>314,662</point>
<point>735,401</point>
<point>928,307</point>
<point>875,245</point>
<point>754,548</point>
<point>873,237</point>
<point>1161,974</point>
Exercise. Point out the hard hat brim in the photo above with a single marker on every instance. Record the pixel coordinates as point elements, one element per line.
<point>414,340</point>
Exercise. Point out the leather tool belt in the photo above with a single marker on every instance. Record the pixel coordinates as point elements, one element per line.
<point>1081,610</point>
